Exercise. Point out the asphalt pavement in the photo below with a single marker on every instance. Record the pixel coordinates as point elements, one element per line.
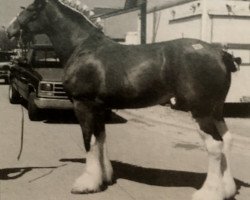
<point>156,154</point>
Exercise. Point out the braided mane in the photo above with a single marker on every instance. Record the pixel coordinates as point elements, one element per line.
<point>83,10</point>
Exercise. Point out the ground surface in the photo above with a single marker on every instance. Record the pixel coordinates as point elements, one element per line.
<point>156,154</point>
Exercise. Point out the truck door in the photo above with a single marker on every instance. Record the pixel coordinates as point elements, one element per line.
<point>23,82</point>
<point>23,87</point>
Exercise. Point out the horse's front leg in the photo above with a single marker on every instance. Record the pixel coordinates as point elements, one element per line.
<point>98,170</point>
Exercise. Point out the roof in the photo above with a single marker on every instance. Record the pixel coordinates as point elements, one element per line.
<point>162,4</point>
<point>152,5</point>
<point>117,12</point>
<point>102,11</point>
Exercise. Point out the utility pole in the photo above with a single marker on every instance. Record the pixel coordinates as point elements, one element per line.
<point>143,6</point>
<point>204,22</point>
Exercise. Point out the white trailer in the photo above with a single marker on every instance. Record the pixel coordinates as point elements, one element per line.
<point>122,25</point>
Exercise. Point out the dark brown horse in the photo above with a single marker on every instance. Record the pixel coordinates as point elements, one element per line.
<point>101,74</point>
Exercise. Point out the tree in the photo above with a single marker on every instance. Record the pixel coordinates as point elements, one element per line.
<point>5,43</point>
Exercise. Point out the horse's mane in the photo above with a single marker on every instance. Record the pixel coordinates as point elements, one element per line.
<point>80,11</point>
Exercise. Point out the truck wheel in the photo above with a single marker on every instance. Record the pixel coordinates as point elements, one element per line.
<point>33,111</point>
<point>14,96</point>
<point>108,114</point>
<point>6,81</point>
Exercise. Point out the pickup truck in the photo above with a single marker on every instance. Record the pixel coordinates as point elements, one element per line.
<point>37,78</point>
<point>5,65</point>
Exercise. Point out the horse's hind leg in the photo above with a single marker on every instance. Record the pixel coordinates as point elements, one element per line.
<point>219,183</point>
<point>212,188</point>
<point>228,181</point>
<point>98,170</point>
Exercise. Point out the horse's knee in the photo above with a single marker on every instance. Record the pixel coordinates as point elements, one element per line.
<point>214,147</point>
<point>91,119</point>
<point>208,126</point>
<point>225,134</point>
<point>228,139</point>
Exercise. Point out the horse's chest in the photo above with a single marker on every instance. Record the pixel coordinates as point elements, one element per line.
<point>84,79</point>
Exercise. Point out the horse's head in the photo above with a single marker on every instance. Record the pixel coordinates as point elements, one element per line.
<point>29,20</point>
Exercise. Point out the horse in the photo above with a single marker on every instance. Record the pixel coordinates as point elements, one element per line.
<point>101,74</point>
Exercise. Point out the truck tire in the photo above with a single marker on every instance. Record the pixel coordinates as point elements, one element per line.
<point>14,96</point>
<point>33,111</point>
<point>108,114</point>
<point>6,80</point>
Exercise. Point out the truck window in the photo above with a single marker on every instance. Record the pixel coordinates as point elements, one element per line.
<point>45,59</point>
<point>4,57</point>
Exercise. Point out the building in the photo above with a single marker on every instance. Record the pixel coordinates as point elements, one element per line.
<point>122,25</point>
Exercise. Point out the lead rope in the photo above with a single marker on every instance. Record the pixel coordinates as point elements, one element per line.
<point>22,115</point>
<point>22,131</point>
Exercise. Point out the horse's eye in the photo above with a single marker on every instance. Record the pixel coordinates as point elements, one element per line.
<point>34,17</point>
<point>22,7</point>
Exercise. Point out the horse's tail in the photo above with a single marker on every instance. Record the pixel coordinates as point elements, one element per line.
<point>232,63</point>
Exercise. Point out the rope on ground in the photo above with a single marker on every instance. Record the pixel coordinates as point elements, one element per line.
<point>22,131</point>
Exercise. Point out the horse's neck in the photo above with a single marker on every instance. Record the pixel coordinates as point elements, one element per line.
<point>66,34</point>
<point>65,41</point>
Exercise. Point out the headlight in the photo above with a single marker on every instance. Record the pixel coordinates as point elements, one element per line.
<point>46,87</point>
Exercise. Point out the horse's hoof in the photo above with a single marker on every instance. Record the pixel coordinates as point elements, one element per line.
<point>208,194</point>
<point>86,191</point>
<point>86,184</point>
<point>111,181</point>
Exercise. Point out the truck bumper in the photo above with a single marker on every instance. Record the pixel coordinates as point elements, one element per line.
<point>45,103</point>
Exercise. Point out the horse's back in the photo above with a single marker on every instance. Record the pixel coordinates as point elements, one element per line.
<point>190,69</point>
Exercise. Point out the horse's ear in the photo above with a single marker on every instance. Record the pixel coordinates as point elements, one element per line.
<point>39,3</point>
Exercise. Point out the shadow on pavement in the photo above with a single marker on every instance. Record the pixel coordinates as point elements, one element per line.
<point>157,177</point>
<point>59,117</point>
<point>160,177</point>
<point>15,173</point>
<point>73,160</point>
<point>68,117</point>
<point>241,110</point>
